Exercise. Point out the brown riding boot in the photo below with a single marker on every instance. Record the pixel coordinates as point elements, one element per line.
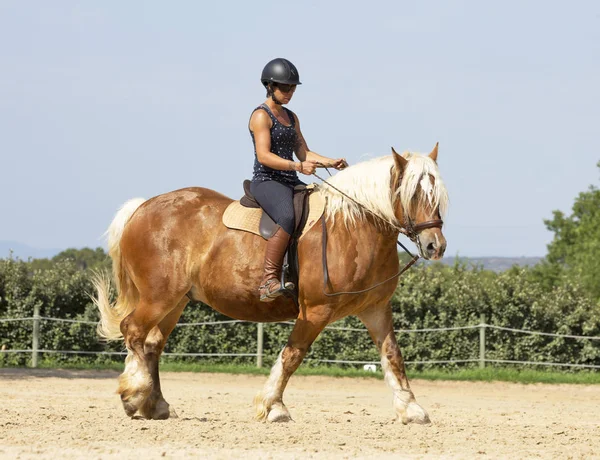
<point>270,287</point>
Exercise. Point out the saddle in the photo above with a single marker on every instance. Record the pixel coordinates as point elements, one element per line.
<point>247,215</point>
<point>267,227</point>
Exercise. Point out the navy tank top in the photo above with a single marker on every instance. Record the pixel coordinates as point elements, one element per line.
<point>283,143</point>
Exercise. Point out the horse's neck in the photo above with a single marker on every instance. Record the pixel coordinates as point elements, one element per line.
<point>366,233</point>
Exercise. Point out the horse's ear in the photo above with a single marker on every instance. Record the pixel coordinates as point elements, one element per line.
<point>434,152</point>
<point>399,161</point>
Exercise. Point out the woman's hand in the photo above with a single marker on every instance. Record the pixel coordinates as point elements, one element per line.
<point>307,167</point>
<point>339,163</point>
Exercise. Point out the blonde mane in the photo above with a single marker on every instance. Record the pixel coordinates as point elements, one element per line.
<point>369,183</point>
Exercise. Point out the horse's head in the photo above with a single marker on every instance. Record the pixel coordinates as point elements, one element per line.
<point>420,201</point>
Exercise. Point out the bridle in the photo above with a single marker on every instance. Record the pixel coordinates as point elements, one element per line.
<point>409,229</point>
<point>412,230</point>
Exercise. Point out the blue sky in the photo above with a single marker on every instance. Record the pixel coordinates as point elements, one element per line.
<point>104,101</point>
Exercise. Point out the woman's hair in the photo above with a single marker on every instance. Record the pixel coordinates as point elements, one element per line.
<point>269,89</point>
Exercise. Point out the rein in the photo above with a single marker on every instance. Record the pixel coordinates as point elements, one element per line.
<point>411,231</point>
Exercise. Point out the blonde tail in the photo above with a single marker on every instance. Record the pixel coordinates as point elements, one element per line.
<point>111,314</point>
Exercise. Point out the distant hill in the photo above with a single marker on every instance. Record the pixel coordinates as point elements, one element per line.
<point>23,251</point>
<point>497,264</point>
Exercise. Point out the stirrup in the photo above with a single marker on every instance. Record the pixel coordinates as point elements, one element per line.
<point>268,295</point>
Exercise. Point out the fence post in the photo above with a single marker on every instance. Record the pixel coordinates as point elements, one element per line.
<point>482,341</point>
<point>259,344</point>
<point>35,345</point>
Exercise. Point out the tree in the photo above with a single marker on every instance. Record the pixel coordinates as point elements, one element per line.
<point>576,243</point>
<point>85,258</point>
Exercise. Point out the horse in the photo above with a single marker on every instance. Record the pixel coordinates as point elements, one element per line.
<point>174,247</point>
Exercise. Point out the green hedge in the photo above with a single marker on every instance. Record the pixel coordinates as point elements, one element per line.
<point>433,296</point>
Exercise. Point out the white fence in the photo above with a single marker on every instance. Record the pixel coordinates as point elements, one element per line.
<point>482,326</point>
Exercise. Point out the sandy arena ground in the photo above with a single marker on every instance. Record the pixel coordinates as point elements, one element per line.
<point>75,414</point>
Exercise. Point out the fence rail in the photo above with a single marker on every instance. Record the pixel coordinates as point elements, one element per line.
<point>482,327</point>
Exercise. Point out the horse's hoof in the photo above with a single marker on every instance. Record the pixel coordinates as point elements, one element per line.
<point>162,411</point>
<point>415,414</point>
<point>130,409</point>
<point>279,413</point>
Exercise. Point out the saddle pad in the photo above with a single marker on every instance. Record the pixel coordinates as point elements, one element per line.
<point>239,217</point>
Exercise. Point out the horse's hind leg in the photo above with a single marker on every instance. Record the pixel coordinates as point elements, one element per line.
<point>378,320</point>
<point>269,403</point>
<point>135,383</point>
<point>155,407</point>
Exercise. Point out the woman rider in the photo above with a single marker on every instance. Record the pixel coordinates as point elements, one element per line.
<point>276,135</point>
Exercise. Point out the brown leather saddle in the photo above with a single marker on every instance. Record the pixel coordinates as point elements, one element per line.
<point>268,227</point>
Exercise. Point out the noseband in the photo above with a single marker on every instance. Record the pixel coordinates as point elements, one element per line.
<point>412,230</point>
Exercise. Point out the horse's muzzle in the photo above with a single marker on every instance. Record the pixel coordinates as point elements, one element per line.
<point>432,244</point>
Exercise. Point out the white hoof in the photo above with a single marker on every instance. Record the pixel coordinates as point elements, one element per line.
<point>415,414</point>
<point>279,413</point>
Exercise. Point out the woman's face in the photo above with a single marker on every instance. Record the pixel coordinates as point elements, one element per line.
<point>283,92</point>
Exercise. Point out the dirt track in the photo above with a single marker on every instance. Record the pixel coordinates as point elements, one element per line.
<point>76,414</point>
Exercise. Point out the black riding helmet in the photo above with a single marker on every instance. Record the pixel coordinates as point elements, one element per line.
<point>280,70</point>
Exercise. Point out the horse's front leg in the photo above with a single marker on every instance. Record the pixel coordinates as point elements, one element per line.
<point>269,402</point>
<point>378,320</point>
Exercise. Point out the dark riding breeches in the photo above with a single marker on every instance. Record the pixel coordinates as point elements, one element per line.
<point>277,200</point>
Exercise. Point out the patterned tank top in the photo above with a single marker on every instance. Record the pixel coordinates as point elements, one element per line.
<point>283,142</point>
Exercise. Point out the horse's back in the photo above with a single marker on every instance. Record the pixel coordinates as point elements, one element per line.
<point>174,209</point>
<point>188,198</point>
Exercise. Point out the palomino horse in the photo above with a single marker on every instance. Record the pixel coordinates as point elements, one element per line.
<point>175,245</point>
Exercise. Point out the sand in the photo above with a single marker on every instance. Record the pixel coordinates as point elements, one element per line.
<point>76,414</point>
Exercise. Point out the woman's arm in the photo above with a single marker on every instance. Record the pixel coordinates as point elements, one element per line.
<point>304,153</point>
<point>260,125</point>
